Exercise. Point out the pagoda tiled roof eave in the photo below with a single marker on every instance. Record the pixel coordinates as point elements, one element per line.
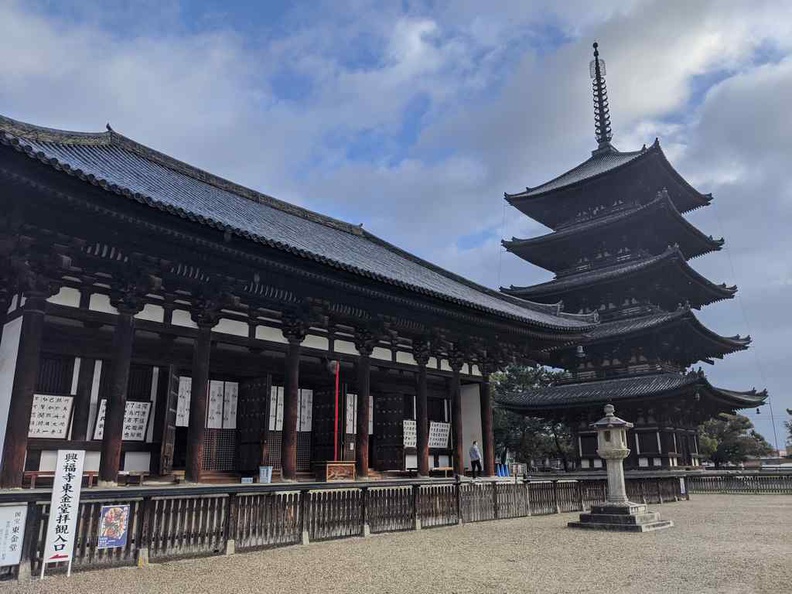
<point>618,330</point>
<point>532,249</point>
<point>218,203</point>
<point>556,184</point>
<point>557,288</point>
<point>633,388</point>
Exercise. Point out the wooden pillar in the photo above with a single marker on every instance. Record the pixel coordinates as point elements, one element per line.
<point>82,400</point>
<point>422,417</point>
<point>362,435</point>
<point>123,337</point>
<point>199,395</point>
<point>487,434</point>
<point>455,392</point>
<point>21,405</point>
<point>291,395</point>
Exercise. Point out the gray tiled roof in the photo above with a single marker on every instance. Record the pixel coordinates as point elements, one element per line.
<point>130,169</point>
<point>639,386</point>
<point>598,163</point>
<point>691,240</point>
<point>616,271</point>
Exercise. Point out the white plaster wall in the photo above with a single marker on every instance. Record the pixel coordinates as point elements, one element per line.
<point>101,303</point>
<point>152,313</point>
<point>474,370</point>
<point>380,353</point>
<point>235,327</point>
<point>444,366</point>
<point>137,461</point>
<point>182,318</point>
<point>67,296</point>
<point>316,342</point>
<point>271,334</point>
<point>94,398</point>
<point>471,419</point>
<point>343,346</point>
<point>406,358</point>
<point>50,457</point>
<point>9,347</point>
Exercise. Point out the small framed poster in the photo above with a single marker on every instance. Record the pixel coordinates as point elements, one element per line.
<point>113,526</point>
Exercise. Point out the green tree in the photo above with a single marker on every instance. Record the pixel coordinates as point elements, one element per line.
<point>528,438</point>
<point>788,425</point>
<point>731,438</point>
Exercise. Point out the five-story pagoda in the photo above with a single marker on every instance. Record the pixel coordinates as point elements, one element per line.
<point>620,246</point>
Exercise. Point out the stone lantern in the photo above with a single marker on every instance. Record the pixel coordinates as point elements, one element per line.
<point>617,512</point>
<point>612,442</point>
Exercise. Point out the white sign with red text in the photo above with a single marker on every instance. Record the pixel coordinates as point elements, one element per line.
<point>64,507</point>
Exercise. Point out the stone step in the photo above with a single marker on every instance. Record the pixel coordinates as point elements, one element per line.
<point>629,509</point>
<point>649,527</point>
<point>643,518</point>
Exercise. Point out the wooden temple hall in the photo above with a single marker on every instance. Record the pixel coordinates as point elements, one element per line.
<point>168,321</point>
<point>619,246</point>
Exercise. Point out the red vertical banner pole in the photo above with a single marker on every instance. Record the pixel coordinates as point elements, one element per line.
<point>335,424</point>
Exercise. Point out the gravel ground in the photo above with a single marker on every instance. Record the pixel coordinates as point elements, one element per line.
<point>720,543</point>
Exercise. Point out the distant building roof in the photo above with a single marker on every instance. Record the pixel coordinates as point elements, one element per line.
<point>633,388</point>
<point>127,168</point>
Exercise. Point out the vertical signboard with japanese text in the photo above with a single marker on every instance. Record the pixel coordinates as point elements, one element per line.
<point>12,533</point>
<point>64,508</point>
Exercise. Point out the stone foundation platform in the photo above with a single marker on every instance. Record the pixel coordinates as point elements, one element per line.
<point>630,517</point>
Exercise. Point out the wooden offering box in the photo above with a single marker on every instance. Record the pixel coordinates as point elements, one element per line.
<point>334,471</point>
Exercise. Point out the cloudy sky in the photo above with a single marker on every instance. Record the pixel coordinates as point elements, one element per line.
<point>413,118</point>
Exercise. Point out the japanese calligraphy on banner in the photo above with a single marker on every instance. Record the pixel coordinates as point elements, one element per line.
<point>214,412</point>
<point>438,434</point>
<point>113,526</point>
<point>410,436</point>
<point>230,396</point>
<point>136,416</point>
<point>221,410</point>
<point>50,416</point>
<point>64,506</point>
<point>183,402</point>
<point>12,533</point>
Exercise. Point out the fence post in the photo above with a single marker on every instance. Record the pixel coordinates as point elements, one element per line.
<point>495,499</point>
<point>305,522</point>
<point>416,512</point>
<point>659,491</point>
<point>365,511</point>
<point>555,496</point>
<point>527,497</point>
<point>581,502</point>
<point>29,543</point>
<point>231,524</point>
<point>458,488</point>
<point>144,538</point>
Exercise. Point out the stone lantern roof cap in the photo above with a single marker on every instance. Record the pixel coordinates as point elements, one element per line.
<point>611,421</point>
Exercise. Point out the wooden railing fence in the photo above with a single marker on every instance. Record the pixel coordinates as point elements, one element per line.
<point>182,522</point>
<point>743,482</point>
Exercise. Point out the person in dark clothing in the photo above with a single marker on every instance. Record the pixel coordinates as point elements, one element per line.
<point>475,458</point>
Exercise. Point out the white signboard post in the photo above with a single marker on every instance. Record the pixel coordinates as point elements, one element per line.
<point>12,533</point>
<point>64,508</point>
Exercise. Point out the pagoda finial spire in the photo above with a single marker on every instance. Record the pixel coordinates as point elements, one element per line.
<point>602,125</point>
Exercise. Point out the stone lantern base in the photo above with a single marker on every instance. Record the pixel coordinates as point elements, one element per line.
<point>629,517</point>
